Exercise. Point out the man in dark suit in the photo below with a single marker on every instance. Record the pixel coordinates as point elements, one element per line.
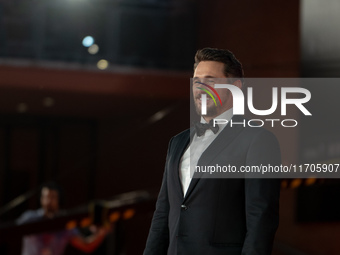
<point>215,216</point>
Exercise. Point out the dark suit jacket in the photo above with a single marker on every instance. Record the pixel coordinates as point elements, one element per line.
<point>223,215</point>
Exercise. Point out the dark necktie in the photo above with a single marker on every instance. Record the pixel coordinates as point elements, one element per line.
<point>202,127</point>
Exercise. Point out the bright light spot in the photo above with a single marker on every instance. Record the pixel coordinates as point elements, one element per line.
<point>310,181</point>
<point>160,114</point>
<point>88,41</point>
<point>22,107</point>
<point>48,101</point>
<point>157,116</point>
<point>93,49</point>
<point>102,64</point>
<point>295,183</point>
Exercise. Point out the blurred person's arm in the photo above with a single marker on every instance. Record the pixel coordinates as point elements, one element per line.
<point>92,242</point>
<point>30,216</point>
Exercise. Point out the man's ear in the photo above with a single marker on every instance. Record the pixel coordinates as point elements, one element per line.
<point>238,83</point>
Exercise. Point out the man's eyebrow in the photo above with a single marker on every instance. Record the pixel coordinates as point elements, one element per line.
<point>207,76</point>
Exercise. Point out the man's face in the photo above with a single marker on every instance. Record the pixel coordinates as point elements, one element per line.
<point>205,72</point>
<point>49,201</point>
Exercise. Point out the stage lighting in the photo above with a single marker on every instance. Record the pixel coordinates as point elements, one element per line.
<point>102,64</point>
<point>88,41</point>
<point>93,49</point>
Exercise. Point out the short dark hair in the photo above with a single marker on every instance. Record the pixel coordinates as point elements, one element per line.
<point>54,186</point>
<point>232,67</point>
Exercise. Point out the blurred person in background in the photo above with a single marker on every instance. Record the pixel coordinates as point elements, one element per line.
<point>54,243</point>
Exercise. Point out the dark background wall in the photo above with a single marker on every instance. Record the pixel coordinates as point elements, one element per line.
<point>104,132</point>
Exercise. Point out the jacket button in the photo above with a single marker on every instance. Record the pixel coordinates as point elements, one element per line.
<point>184,207</point>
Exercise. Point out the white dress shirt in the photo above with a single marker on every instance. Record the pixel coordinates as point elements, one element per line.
<point>198,145</point>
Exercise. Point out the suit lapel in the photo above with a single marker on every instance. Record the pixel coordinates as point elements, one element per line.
<point>178,152</point>
<point>223,140</point>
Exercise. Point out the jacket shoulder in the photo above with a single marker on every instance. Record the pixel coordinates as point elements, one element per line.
<point>183,134</point>
<point>180,138</point>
